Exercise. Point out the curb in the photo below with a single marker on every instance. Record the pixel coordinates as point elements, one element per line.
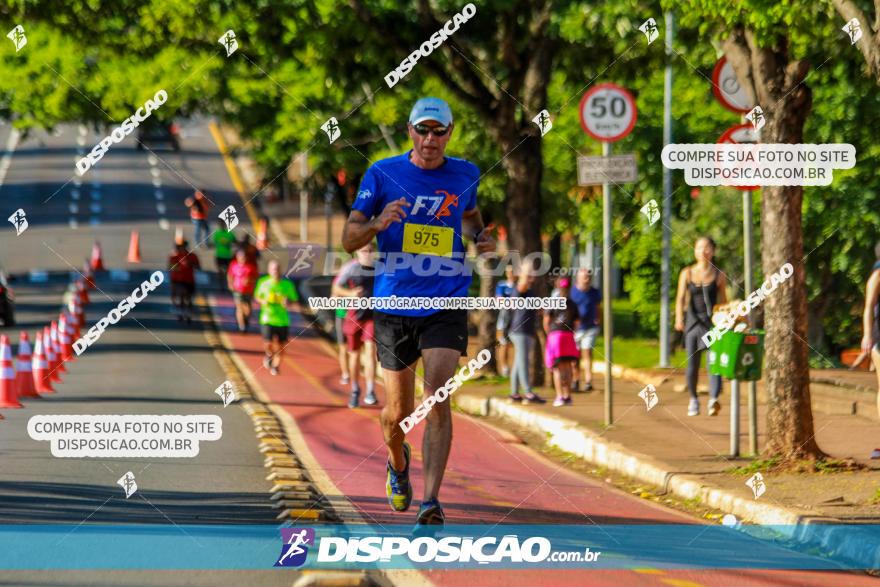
<point>570,436</point>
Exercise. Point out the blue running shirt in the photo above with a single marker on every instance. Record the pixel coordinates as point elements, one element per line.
<point>429,236</point>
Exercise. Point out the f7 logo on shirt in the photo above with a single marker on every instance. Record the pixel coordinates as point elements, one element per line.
<point>438,206</point>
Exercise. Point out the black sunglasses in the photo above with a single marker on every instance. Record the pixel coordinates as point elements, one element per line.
<point>437,131</point>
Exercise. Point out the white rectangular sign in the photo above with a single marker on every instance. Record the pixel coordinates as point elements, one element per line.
<point>613,169</point>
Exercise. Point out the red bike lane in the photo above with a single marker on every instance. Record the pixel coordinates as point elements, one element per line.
<point>491,478</point>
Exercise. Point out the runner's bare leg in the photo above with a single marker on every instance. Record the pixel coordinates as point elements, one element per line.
<point>399,403</point>
<point>370,364</point>
<point>440,365</point>
<point>354,367</point>
<point>276,349</point>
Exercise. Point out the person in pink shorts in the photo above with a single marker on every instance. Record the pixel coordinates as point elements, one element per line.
<point>561,352</point>
<point>242,278</point>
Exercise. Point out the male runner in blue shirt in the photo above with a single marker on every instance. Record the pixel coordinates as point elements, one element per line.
<point>419,206</point>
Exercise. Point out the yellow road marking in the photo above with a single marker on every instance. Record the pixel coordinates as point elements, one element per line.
<point>648,571</point>
<point>232,170</point>
<point>681,583</point>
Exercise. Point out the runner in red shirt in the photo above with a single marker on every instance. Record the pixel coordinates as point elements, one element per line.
<point>242,278</point>
<point>182,265</point>
<point>199,205</point>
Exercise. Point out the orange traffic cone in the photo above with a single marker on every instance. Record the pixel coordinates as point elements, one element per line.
<point>134,248</point>
<point>64,337</point>
<point>55,336</point>
<point>89,275</point>
<point>77,317</point>
<point>40,368</point>
<point>51,360</point>
<point>24,378</point>
<point>97,260</point>
<point>82,291</point>
<point>8,398</point>
<point>263,234</point>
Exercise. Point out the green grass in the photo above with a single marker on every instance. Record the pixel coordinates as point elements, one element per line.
<point>637,353</point>
<point>755,466</point>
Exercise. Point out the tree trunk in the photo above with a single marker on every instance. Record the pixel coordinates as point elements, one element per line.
<point>777,84</point>
<point>523,165</point>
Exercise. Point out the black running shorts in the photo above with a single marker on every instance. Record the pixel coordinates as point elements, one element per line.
<point>270,332</point>
<point>400,340</point>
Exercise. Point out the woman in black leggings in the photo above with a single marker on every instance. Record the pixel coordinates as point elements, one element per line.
<point>700,287</point>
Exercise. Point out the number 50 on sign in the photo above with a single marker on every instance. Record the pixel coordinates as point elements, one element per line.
<point>608,112</point>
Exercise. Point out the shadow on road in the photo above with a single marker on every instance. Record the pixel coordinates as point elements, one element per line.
<point>45,503</point>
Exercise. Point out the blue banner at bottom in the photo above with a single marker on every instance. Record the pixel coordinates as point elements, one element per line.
<point>810,547</point>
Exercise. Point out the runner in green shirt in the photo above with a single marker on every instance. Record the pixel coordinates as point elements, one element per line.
<point>275,294</point>
<point>223,241</point>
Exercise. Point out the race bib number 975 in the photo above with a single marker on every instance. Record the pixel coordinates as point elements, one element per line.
<point>421,239</point>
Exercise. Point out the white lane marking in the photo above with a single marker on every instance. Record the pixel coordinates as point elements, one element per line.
<point>159,195</point>
<point>83,131</point>
<point>81,141</point>
<point>155,171</point>
<point>164,224</point>
<point>6,160</point>
<point>74,194</point>
<point>94,221</point>
<point>160,207</point>
<point>73,223</point>
<point>152,159</point>
<point>96,195</point>
<point>157,183</point>
<point>96,186</point>
<point>73,208</point>
<point>95,208</point>
<point>77,182</point>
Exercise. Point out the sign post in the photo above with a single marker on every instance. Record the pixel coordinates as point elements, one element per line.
<point>744,134</point>
<point>608,113</point>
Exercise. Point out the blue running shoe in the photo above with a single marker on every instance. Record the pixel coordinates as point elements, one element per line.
<point>397,486</point>
<point>431,514</point>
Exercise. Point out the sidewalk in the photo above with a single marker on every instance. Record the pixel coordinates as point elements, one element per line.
<point>688,456</point>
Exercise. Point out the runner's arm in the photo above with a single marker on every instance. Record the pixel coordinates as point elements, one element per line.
<point>679,301</point>
<point>472,227</point>
<point>722,288</point>
<point>360,230</point>
<point>293,300</point>
<point>871,291</point>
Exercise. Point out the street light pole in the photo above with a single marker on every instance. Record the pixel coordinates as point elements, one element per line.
<point>328,213</point>
<point>667,200</point>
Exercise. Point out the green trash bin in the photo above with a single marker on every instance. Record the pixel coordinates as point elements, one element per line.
<point>738,355</point>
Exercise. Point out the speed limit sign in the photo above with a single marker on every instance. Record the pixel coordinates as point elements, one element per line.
<point>608,112</point>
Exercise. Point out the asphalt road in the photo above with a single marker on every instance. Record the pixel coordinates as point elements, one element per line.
<point>151,364</point>
<point>148,363</point>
